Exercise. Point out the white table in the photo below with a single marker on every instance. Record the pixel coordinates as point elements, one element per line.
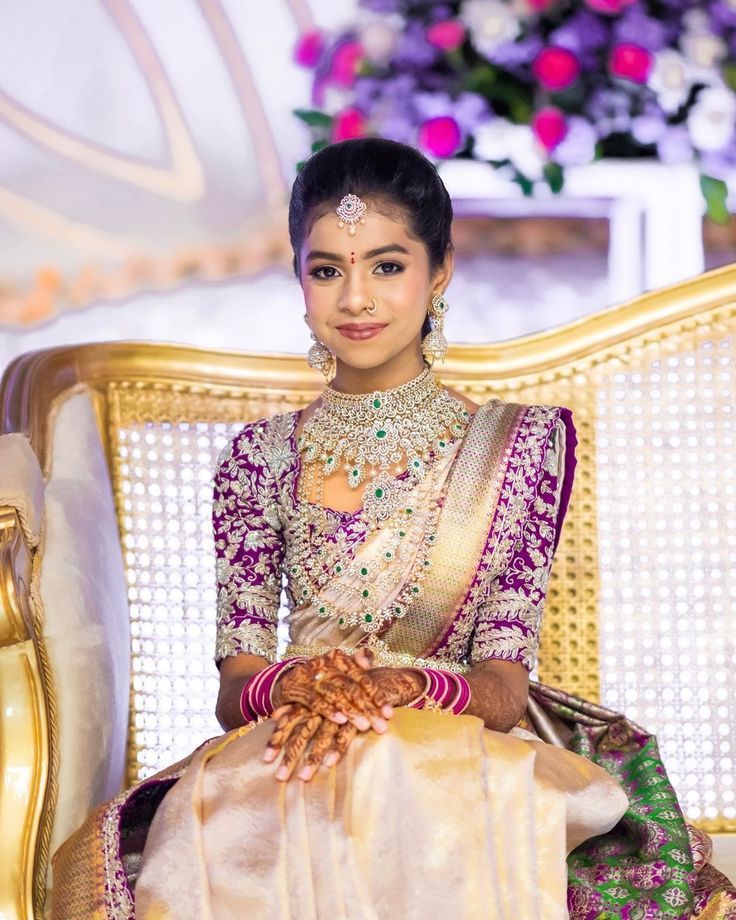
<point>655,213</point>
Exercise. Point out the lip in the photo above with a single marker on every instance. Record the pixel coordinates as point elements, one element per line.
<point>360,331</point>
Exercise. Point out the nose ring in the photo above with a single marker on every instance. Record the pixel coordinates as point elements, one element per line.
<point>373,306</point>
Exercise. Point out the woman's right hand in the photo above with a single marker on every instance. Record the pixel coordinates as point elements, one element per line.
<point>337,686</point>
<point>296,727</point>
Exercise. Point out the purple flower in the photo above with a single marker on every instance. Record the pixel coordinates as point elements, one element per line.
<point>516,55</point>
<point>720,164</point>
<point>723,14</point>
<point>470,110</point>
<point>609,110</point>
<point>635,26</point>
<point>413,49</point>
<point>648,128</point>
<point>674,145</point>
<point>578,146</point>
<point>582,33</point>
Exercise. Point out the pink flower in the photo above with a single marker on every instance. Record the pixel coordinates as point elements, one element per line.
<point>540,6</point>
<point>347,124</point>
<point>440,136</point>
<point>609,7</point>
<point>447,35</point>
<point>309,49</point>
<point>549,127</point>
<point>556,68</point>
<point>631,62</point>
<point>345,63</point>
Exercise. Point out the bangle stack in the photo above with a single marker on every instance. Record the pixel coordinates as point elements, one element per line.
<point>445,691</point>
<point>256,700</point>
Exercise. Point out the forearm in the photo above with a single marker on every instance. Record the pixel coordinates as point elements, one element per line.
<point>234,674</point>
<point>499,693</point>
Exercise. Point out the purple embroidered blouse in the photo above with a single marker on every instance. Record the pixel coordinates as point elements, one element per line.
<point>255,497</point>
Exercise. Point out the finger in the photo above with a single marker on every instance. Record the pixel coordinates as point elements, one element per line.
<point>284,727</point>
<point>345,735</point>
<point>321,744</point>
<point>295,746</point>
<point>364,658</point>
<point>344,695</point>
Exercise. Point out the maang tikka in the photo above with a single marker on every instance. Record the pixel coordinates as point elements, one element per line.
<point>434,344</point>
<point>351,211</point>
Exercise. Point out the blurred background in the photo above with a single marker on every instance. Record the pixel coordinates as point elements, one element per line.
<point>147,151</point>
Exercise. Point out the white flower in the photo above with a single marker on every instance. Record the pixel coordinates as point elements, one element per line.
<point>500,140</point>
<point>378,37</point>
<point>704,49</point>
<point>712,119</point>
<point>670,79</point>
<point>336,99</point>
<point>490,23</point>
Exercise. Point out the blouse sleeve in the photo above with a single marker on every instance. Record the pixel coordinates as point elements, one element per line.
<point>248,550</point>
<point>509,615</point>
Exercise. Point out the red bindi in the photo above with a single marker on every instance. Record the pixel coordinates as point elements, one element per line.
<point>352,258</point>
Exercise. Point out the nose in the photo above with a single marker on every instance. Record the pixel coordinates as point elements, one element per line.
<point>354,296</point>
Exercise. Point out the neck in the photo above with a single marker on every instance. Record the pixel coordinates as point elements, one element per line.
<point>386,377</point>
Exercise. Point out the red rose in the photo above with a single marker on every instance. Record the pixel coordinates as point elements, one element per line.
<point>345,63</point>
<point>347,124</point>
<point>440,136</point>
<point>556,68</point>
<point>447,35</point>
<point>309,49</point>
<point>630,62</point>
<point>549,127</point>
<point>610,7</point>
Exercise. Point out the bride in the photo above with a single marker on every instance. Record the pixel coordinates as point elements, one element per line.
<point>395,761</point>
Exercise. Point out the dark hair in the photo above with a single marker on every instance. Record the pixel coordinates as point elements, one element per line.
<point>389,174</point>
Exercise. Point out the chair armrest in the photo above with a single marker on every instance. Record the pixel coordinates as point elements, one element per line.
<point>24,739</point>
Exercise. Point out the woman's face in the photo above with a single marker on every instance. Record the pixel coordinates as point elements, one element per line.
<point>340,274</point>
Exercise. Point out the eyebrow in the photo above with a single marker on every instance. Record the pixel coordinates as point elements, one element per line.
<point>372,253</point>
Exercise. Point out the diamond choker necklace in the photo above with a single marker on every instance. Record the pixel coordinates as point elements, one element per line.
<point>368,433</point>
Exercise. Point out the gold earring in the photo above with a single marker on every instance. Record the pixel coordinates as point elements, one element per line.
<point>321,358</point>
<point>434,344</point>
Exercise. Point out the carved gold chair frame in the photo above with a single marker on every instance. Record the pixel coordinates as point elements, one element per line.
<point>137,382</point>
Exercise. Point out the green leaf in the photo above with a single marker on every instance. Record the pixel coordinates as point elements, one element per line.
<point>555,177</point>
<point>318,145</point>
<point>729,74</point>
<point>313,118</point>
<point>715,192</point>
<point>527,186</point>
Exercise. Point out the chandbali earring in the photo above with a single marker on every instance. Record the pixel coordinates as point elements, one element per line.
<point>320,357</point>
<point>434,344</point>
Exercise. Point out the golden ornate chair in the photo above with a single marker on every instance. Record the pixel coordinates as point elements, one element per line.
<point>107,588</point>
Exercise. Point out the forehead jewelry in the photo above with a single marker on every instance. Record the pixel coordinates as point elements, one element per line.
<point>351,211</point>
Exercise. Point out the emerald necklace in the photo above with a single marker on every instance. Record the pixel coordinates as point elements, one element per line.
<point>374,436</point>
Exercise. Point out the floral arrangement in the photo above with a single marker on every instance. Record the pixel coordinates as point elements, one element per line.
<point>534,86</point>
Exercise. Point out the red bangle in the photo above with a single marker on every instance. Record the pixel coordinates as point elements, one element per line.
<point>446,690</point>
<point>255,698</point>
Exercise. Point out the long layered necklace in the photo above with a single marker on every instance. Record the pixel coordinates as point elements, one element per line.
<point>372,438</point>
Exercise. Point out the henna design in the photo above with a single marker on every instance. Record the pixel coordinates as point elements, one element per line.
<point>398,686</point>
<point>301,734</point>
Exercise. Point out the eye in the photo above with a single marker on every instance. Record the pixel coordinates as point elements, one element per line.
<point>389,268</point>
<point>315,273</point>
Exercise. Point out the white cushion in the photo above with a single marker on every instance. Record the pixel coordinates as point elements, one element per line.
<point>86,617</point>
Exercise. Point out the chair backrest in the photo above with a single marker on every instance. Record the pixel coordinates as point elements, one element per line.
<point>640,606</point>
